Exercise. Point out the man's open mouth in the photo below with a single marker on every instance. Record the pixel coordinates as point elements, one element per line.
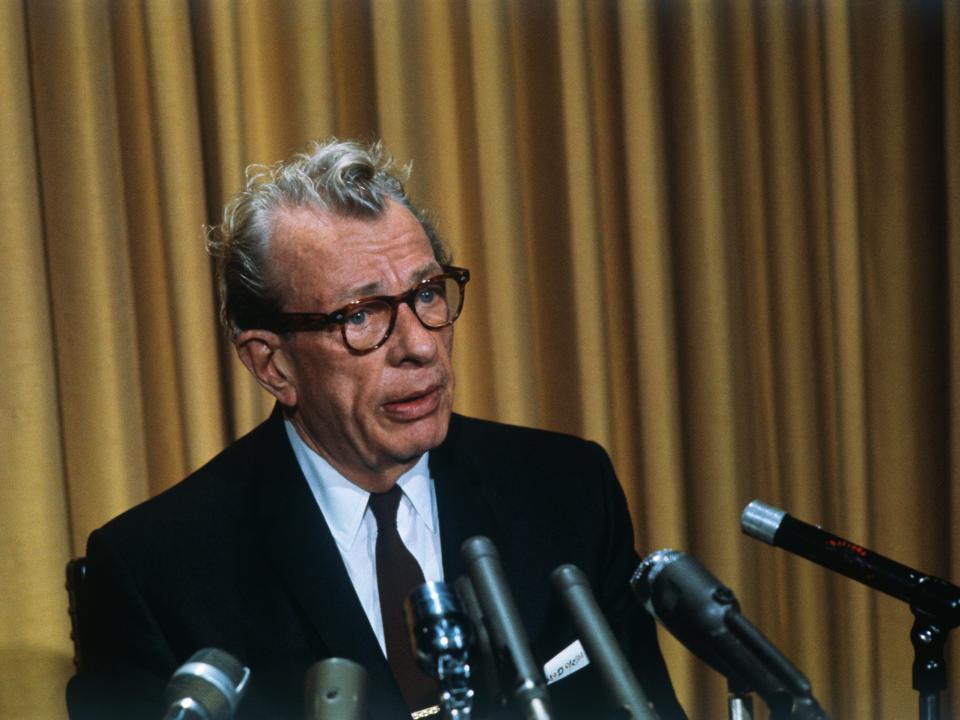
<point>414,406</point>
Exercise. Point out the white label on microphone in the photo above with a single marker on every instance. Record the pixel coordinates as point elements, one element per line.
<point>566,662</point>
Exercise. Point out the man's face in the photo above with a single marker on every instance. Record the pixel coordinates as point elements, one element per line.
<point>371,416</point>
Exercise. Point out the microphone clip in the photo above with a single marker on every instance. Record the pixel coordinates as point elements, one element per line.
<point>456,696</point>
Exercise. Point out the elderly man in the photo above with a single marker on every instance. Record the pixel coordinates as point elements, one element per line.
<point>299,541</point>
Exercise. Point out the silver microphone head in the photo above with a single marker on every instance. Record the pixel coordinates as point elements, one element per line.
<point>336,689</point>
<point>438,626</point>
<point>641,582</point>
<point>761,521</point>
<point>209,686</point>
<point>442,637</point>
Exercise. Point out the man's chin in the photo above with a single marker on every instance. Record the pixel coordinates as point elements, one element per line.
<point>411,440</point>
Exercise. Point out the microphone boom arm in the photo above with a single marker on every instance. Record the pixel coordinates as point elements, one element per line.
<point>935,603</point>
<point>931,594</point>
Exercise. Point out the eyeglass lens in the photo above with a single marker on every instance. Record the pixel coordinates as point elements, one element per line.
<point>436,304</point>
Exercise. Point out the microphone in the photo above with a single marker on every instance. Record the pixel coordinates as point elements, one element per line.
<point>507,636</point>
<point>598,641</point>
<point>486,678</point>
<point>442,637</point>
<point>209,686</point>
<point>704,615</point>
<point>336,689</point>
<point>925,592</point>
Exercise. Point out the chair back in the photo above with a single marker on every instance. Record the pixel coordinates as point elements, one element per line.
<point>76,572</point>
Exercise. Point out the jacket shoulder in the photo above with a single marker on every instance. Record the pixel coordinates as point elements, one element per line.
<point>516,444</point>
<point>210,491</point>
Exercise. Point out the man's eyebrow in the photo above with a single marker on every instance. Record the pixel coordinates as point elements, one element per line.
<point>376,287</point>
<point>426,270</point>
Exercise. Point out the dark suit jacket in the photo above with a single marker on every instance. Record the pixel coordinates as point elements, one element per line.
<point>238,556</point>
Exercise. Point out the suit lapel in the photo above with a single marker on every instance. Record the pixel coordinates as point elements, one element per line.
<point>305,554</point>
<point>471,501</point>
<point>463,504</point>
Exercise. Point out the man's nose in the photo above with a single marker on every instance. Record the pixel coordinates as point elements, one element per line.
<point>412,342</point>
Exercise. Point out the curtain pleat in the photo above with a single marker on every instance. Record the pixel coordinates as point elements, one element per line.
<point>35,525</point>
<point>698,231</point>
<point>354,92</point>
<point>650,255</point>
<point>602,83</point>
<point>396,41</point>
<point>222,95</point>
<point>588,331</point>
<point>902,235</point>
<point>177,144</point>
<point>445,170</point>
<point>661,495</point>
<point>951,94</point>
<point>88,261</point>
<point>499,233</point>
<point>789,153</point>
<point>852,617</point>
<point>719,238</point>
<point>153,301</point>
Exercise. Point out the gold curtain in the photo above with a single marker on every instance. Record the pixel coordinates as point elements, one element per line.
<point>720,237</point>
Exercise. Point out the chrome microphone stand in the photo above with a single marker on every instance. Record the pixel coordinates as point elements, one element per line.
<point>442,636</point>
<point>739,701</point>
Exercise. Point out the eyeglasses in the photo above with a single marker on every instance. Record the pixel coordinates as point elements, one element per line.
<point>367,323</point>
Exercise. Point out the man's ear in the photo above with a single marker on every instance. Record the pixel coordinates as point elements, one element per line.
<point>262,352</point>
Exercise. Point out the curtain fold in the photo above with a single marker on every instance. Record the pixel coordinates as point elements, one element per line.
<point>499,233</point>
<point>74,107</point>
<point>657,436</point>
<point>951,94</point>
<point>846,417</point>
<point>590,329</point>
<point>719,238</point>
<point>181,184</point>
<point>171,273</point>
<point>33,492</point>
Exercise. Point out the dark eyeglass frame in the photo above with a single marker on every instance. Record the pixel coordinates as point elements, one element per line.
<point>311,322</point>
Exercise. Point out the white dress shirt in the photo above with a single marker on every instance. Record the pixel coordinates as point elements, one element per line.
<point>344,505</point>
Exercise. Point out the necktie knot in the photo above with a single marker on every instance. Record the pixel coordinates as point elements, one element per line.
<point>384,507</point>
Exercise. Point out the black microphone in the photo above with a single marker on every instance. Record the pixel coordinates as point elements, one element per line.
<point>209,686</point>
<point>336,689</point>
<point>703,614</point>
<point>507,636</point>
<point>442,638</point>
<point>925,592</point>
<point>601,646</point>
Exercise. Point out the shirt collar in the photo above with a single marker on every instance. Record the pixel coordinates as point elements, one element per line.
<point>419,490</point>
<point>343,503</point>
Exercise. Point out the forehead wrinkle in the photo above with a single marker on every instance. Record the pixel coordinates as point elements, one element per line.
<point>301,226</point>
<point>290,219</point>
<point>376,287</point>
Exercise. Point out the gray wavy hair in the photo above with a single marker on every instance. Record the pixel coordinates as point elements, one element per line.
<point>345,178</point>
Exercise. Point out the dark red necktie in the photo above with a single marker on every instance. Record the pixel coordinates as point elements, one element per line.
<point>398,573</point>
